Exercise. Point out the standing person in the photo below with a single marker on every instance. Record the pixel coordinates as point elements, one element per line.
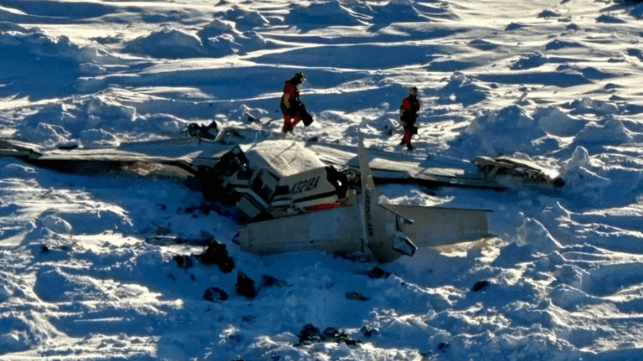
<point>290,104</point>
<point>408,115</point>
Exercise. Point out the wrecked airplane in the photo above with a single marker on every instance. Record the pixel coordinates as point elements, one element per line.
<point>294,196</point>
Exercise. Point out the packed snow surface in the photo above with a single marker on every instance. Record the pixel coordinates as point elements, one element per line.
<point>556,82</point>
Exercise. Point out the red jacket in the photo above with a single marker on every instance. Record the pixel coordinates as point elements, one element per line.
<point>410,106</point>
<point>292,91</point>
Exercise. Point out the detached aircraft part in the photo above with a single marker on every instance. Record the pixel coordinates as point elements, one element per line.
<point>515,168</point>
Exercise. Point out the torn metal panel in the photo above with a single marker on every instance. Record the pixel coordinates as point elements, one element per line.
<point>390,167</point>
<point>284,158</point>
<point>514,168</point>
<point>436,226</point>
<point>18,146</point>
<point>335,230</point>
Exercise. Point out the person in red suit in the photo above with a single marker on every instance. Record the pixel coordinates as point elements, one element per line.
<point>408,115</point>
<point>290,105</point>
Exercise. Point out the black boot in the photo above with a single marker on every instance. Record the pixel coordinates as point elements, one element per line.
<point>409,146</point>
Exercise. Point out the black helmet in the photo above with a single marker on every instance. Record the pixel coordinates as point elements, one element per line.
<point>300,76</point>
<point>413,91</point>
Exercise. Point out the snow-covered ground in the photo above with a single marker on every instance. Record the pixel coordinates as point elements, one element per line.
<point>558,82</point>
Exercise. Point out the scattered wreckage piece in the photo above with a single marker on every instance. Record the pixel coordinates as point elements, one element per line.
<point>528,171</point>
<point>209,131</point>
<point>394,168</point>
<point>101,160</point>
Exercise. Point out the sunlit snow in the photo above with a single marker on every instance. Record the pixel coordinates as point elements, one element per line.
<point>555,82</point>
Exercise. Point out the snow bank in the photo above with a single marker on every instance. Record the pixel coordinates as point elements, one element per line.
<point>16,334</point>
<point>244,19</point>
<point>609,19</point>
<point>502,132</point>
<point>578,175</point>
<point>53,285</point>
<point>218,27</point>
<point>530,61</point>
<point>171,16</point>
<point>321,14</point>
<point>556,122</point>
<point>611,131</point>
<point>598,181</point>
<point>166,43</point>
<point>562,44</point>
<point>461,89</point>
<point>221,37</point>
<point>548,14</point>
<point>514,26</point>
<point>592,106</point>
<point>36,43</point>
<point>534,234</point>
<point>396,11</point>
<point>6,26</point>
<point>4,293</point>
<point>94,121</point>
<point>637,11</point>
